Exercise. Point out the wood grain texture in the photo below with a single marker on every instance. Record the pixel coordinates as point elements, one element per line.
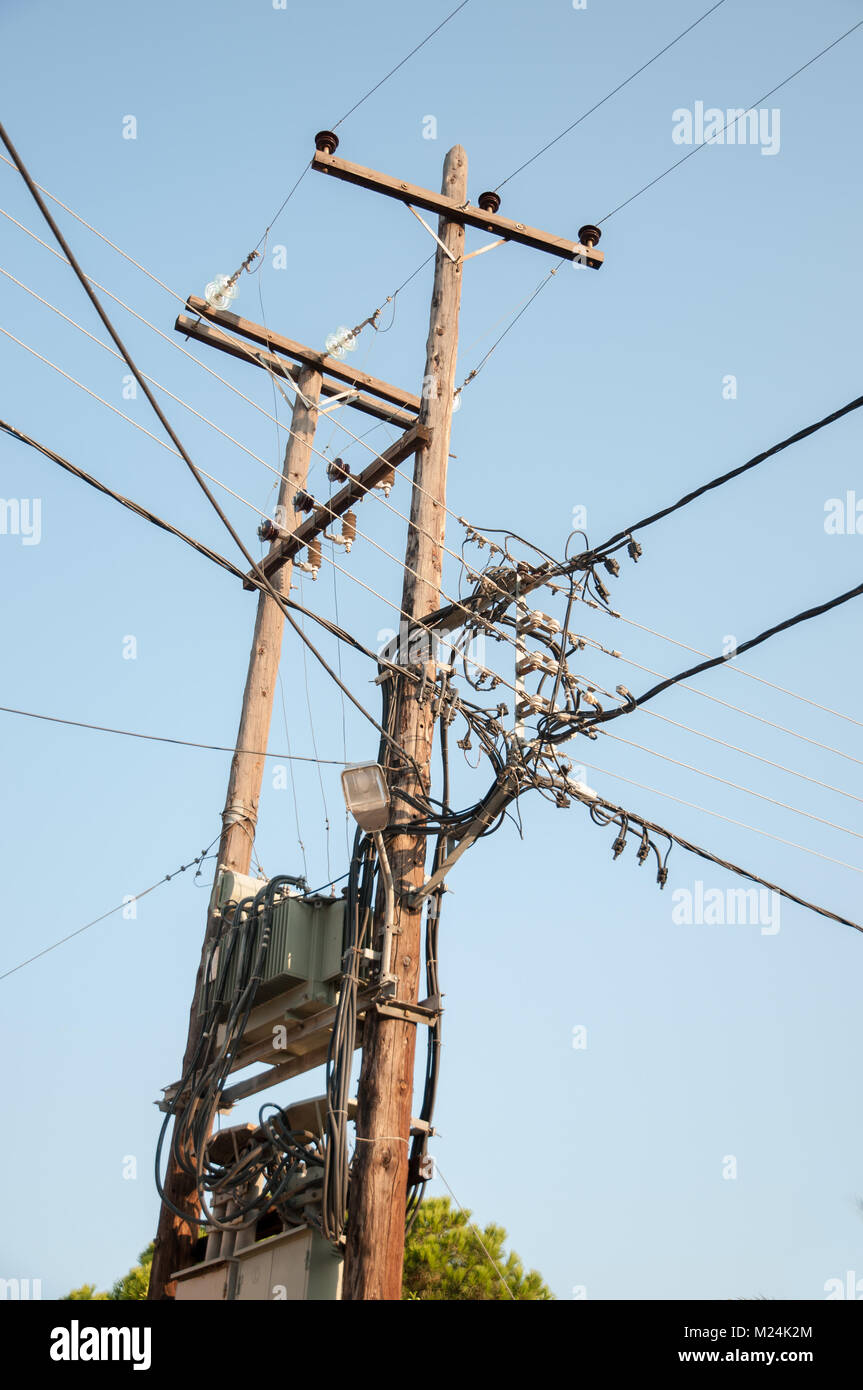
<point>376,1226</point>
<point>176,1237</point>
<point>453,207</point>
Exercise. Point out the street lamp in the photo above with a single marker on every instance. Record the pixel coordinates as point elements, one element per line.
<point>367,798</point>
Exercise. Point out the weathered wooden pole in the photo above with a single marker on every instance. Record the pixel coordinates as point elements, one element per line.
<point>376,1224</point>
<point>176,1237</point>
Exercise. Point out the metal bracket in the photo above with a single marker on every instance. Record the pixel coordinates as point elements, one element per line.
<point>427,1012</point>
<point>490,247</point>
<point>443,248</point>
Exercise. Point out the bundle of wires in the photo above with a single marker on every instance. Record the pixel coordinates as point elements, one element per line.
<point>359,928</point>
<point>279,1161</point>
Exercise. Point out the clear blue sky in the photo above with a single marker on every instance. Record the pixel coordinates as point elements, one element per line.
<point>605,1164</point>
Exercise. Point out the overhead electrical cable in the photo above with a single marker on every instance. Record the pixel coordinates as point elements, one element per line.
<point>736,786</point>
<point>277,214</point>
<point>730,820</point>
<point>747,752</point>
<point>738,709</point>
<point>163,738</point>
<point>221,560</point>
<point>633,818</point>
<point>400,63</point>
<point>723,660</point>
<point>758,102</point>
<point>619,88</point>
<point>742,671</point>
<point>196,473</point>
<point>621,537</point>
<point>152,380</point>
<point>110,913</point>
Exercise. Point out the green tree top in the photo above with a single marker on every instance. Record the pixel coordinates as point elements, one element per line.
<point>445,1260</point>
<point>133,1285</point>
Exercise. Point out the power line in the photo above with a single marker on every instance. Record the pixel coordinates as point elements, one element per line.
<point>730,820</point>
<point>153,382</point>
<point>400,64</point>
<point>221,560</point>
<point>127,502</point>
<point>723,660</point>
<point>692,152</point>
<point>741,671</point>
<point>101,235</point>
<point>172,340</point>
<point>274,219</point>
<point>609,95</point>
<point>723,743</point>
<point>748,714</point>
<point>87,925</point>
<point>129,420</point>
<point>621,536</point>
<point>737,786</point>
<point>633,817</point>
<point>181,742</point>
<point>755,103</point>
<point>780,767</point>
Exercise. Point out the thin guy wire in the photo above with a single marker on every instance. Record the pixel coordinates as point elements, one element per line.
<point>399,610</point>
<point>162,738</point>
<point>137,897</point>
<point>618,88</point>
<point>717,815</point>
<point>476,1232</point>
<point>152,380</point>
<point>755,103</point>
<point>741,671</point>
<point>737,786</point>
<point>141,319</point>
<point>703,694</point>
<point>128,418</point>
<point>654,714</point>
<point>400,64</point>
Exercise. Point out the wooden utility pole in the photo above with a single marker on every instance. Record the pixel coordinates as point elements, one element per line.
<point>375,1240</point>
<point>176,1237</point>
